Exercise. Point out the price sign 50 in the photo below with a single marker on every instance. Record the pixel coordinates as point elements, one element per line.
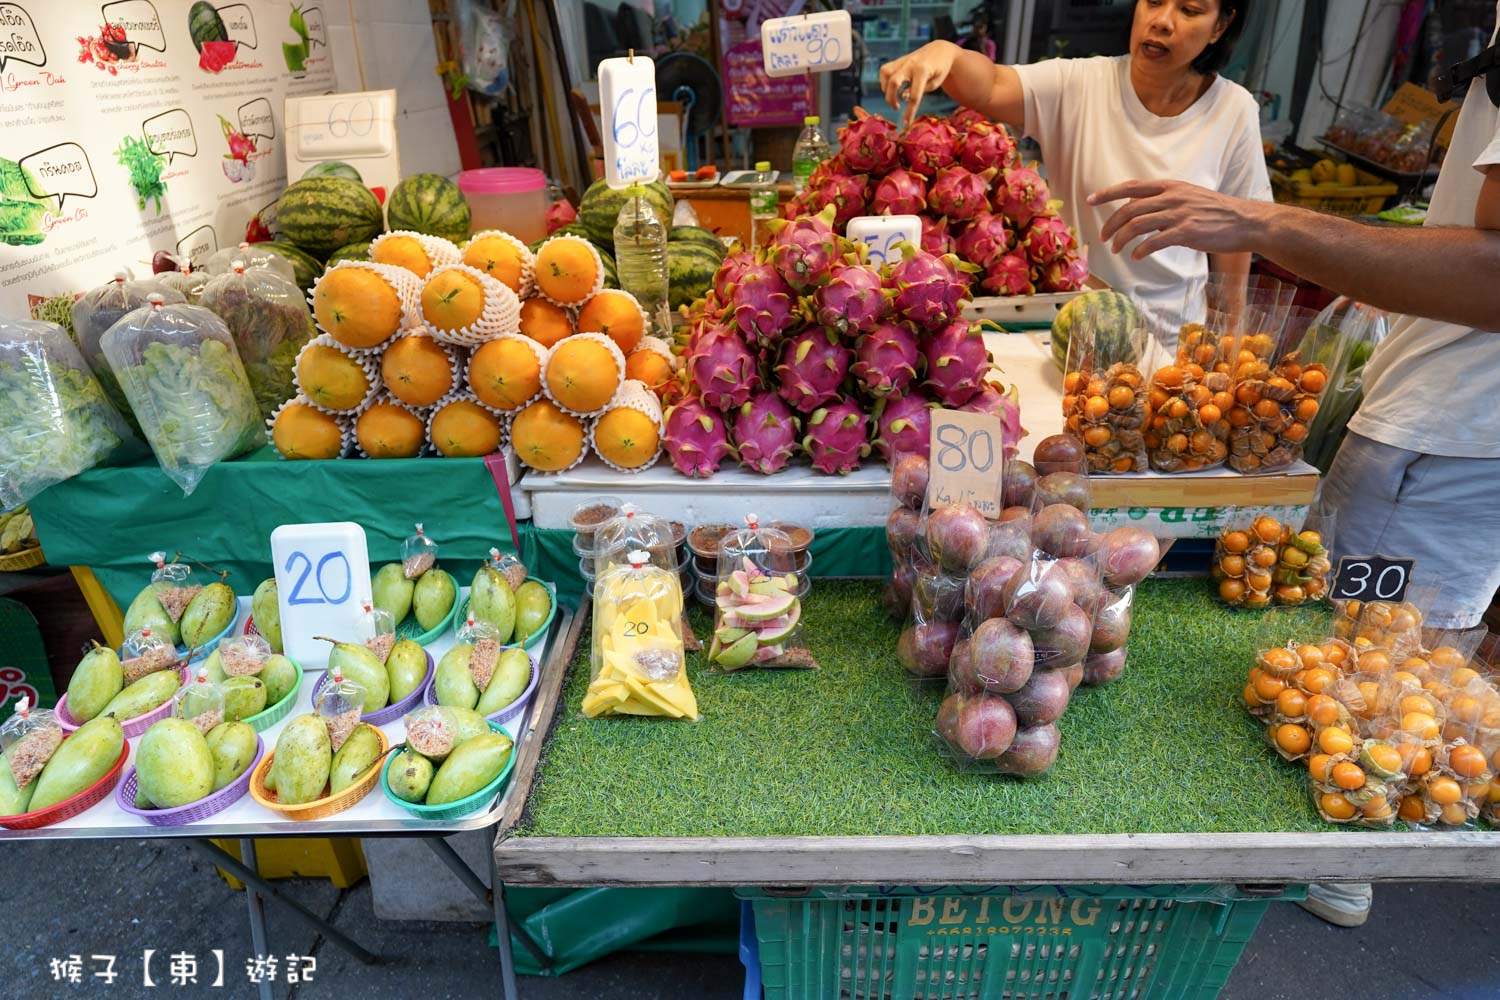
<point>627,105</point>
<point>967,460</point>
<point>882,235</point>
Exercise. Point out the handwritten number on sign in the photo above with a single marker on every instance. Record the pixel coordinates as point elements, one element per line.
<point>633,629</point>
<point>635,123</point>
<point>962,451</point>
<point>297,559</point>
<point>1372,577</point>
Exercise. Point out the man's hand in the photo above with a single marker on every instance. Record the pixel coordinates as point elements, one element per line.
<point>1179,214</point>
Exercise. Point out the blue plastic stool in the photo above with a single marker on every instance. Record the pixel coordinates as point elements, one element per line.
<point>749,951</point>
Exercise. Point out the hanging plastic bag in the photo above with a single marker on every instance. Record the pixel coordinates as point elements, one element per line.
<point>101,308</point>
<point>268,317</point>
<point>418,554</point>
<point>55,420</point>
<point>638,664</point>
<point>28,740</point>
<point>485,42</point>
<point>178,366</point>
<point>254,258</point>
<point>758,602</point>
<point>339,705</point>
<point>201,702</point>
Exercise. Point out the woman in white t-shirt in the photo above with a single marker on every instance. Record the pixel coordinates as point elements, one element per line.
<point>1161,111</point>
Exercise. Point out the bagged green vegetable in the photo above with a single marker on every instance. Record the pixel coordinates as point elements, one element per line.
<point>179,369</point>
<point>55,421</point>
<point>268,317</point>
<point>190,281</point>
<point>101,308</point>
<point>254,256</point>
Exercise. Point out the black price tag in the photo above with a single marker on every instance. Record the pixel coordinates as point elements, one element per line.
<point>1371,578</point>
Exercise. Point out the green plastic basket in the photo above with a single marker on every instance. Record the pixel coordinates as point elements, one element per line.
<point>1128,942</point>
<point>455,809</point>
<point>268,717</point>
<point>540,636</point>
<point>409,629</point>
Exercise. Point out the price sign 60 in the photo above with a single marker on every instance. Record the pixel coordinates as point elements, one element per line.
<point>627,105</point>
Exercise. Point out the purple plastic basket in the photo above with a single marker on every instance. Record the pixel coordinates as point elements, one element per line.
<point>132,727</point>
<point>391,712</point>
<point>192,812</point>
<point>516,707</point>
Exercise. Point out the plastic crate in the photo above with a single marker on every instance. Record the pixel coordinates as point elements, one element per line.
<point>1365,198</point>
<point>1129,942</point>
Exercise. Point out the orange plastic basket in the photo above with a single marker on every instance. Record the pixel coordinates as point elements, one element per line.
<point>68,808</point>
<point>328,805</point>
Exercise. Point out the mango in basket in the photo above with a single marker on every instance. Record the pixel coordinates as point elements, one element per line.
<point>232,745</point>
<point>512,674</point>
<point>148,693</point>
<point>147,609</point>
<point>354,758</point>
<point>364,668</point>
<point>265,608</point>
<point>472,765</point>
<point>13,799</point>
<point>243,697</point>
<point>410,776</point>
<point>95,683</point>
<point>465,723</point>
<point>454,684</point>
<point>406,666</point>
<point>433,598</point>
<point>79,762</point>
<point>279,675</point>
<point>208,613</point>
<point>533,603</point>
<point>491,600</point>
<point>392,591</point>
<point>303,760</point>
<point>173,765</point>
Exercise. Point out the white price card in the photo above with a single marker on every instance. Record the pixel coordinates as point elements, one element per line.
<point>807,43</point>
<point>882,234</point>
<point>967,461</point>
<point>322,585</point>
<point>627,109</point>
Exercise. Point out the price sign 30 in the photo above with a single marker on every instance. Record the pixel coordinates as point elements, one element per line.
<point>1371,578</point>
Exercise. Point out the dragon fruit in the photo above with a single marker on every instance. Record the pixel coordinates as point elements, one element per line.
<point>1008,274</point>
<point>804,250</point>
<point>960,194</point>
<point>1021,194</point>
<point>695,438</point>
<point>812,369</point>
<point>886,359</point>
<point>845,192</point>
<point>929,145</point>
<point>722,368</point>
<point>937,235</point>
<point>986,146</point>
<point>903,425</point>
<point>957,361</point>
<point>967,118</point>
<point>728,275</point>
<point>868,143</point>
<point>985,239</point>
<point>1005,405</point>
<point>1047,238</point>
<point>853,301</point>
<point>929,288</point>
<point>765,433</point>
<point>899,192</point>
<point>837,437</point>
<point>1065,274</point>
<point>761,304</point>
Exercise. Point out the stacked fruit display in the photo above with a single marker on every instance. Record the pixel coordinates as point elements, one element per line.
<point>962,177</point>
<point>1387,727</point>
<point>1265,561</point>
<point>809,348</point>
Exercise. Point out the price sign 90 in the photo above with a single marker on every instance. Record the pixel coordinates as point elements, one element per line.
<point>1371,578</point>
<point>966,460</point>
<point>807,43</point>
<point>627,107</point>
<point>882,235</point>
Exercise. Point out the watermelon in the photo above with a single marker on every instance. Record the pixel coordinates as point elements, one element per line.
<point>305,266</point>
<point>205,24</point>
<point>697,234</point>
<point>321,214</point>
<point>611,270</point>
<point>690,272</point>
<point>600,209</point>
<point>1113,338</point>
<point>431,204</point>
<point>334,168</point>
<point>354,251</point>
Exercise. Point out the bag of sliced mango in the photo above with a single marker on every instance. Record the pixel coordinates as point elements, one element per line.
<point>633,528</point>
<point>639,665</point>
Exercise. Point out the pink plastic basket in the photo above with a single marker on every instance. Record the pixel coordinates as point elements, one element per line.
<point>515,708</point>
<point>391,712</point>
<point>133,727</point>
<point>68,808</point>
<point>193,811</point>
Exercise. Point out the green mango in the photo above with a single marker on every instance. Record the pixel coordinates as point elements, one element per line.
<point>491,600</point>
<point>212,667</point>
<point>409,776</point>
<point>141,802</point>
<point>406,666</point>
<point>173,765</point>
<point>265,608</point>
<point>79,762</point>
<point>433,598</point>
<point>148,693</point>
<point>303,760</point>
<point>466,724</point>
<point>354,758</point>
<point>364,668</point>
<point>280,675</point>
<point>392,591</point>
<point>453,684</point>
<point>512,674</point>
<point>208,614</point>
<point>470,767</point>
<point>270,779</point>
<point>147,609</point>
<point>14,800</point>
<point>533,604</point>
<point>97,679</point>
<point>232,745</point>
<point>243,697</point>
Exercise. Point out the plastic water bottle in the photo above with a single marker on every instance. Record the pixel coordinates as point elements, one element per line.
<point>762,205</point>
<point>641,258</point>
<point>811,149</point>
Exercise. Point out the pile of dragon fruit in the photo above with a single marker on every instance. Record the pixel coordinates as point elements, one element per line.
<point>808,348</point>
<point>963,177</point>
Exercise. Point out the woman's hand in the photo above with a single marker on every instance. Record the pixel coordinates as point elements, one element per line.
<point>923,70</point>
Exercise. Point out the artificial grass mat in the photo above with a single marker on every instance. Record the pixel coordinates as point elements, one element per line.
<point>848,750</point>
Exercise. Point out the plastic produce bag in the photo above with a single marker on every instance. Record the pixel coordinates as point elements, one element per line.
<point>268,317</point>
<point>1191,401</point>
<point>418,554</point>
<point>485,42</point>
<point>339,705</point>
<point>173,584</point>
<point>178,366</point>
<point>932,624</point>
<point>55,420</point>
<point>28,740</point>
<point>1302,564</point>
<point>255,258</point>
<point>1105,392</point>
<point>758,604</point>
<point>638,664</point>
<point>429,731</point>
<point>144,653</point>
<point>1277,403</point>
<point>190,281</point>
<point>201,702</point>
<point>1342,338</point>
<point>101,308</point>
<point>1245,558</point>
<point>633,529</point>
<point>380,625</point>
<point>244,655</point>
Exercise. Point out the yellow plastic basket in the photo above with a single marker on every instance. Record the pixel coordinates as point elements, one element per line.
<point>1365,198</point>
<point>25,559</point>
<point>328,805</point>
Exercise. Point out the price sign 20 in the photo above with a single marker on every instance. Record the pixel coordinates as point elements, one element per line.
<point>967,460</point>
<point>627,105</point>
<point>300,561</point>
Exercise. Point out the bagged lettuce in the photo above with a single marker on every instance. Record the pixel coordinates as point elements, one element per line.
<point>101,308</point>
<point>268,317</point>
